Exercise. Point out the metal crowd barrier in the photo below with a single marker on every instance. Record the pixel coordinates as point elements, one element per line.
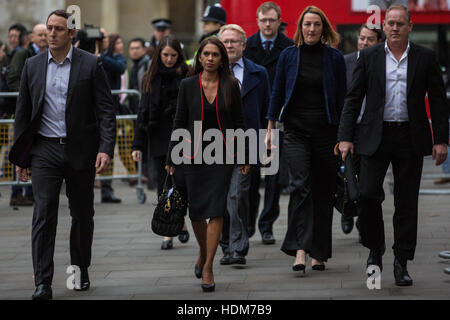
<point>125,136</point>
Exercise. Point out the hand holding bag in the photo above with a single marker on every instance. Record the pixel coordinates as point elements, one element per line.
<point>168,217</point>
<point>347,191</point>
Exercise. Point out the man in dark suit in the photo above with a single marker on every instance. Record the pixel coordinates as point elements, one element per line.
<point>264,48</point>
<point>255,92</point>
<point>64,130</point>
<point>394,77</point>
<point>367,38</point>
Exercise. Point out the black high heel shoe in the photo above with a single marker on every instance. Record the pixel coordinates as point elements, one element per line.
<point>198,272</point>
<point>209,287</point>
<point>319,267</point>
<point>300,266</point>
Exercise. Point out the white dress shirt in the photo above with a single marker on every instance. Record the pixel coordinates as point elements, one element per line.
<point>238,71</point>
<point>396,108</point>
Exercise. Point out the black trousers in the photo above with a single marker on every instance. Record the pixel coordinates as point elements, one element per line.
<point>396,148</point>
<point>312,167</point>
<point>50,167</point>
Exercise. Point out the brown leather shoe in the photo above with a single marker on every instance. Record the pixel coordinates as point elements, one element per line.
<point>21,201</point>
<point>442,181</point>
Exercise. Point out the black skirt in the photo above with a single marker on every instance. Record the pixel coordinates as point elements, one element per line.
<point>207,189</point>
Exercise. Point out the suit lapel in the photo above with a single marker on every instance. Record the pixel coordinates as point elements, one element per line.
<point>43,70</point>
<point>249,81</point>
<point>381,63</point>
<point>413,59</point>
<point>74,73</point>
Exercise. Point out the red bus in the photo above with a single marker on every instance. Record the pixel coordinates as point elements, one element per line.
<point>431,20</point>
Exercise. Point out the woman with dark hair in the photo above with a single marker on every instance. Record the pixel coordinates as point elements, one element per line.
<point>212,97</point>
<point>308,96</point>
<point>157,109</point>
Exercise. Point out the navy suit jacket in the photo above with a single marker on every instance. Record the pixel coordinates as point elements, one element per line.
<point>255,95</point>
<point>334,83</point>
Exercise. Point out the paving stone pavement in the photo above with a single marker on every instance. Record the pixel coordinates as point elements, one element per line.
<point>128,263</point>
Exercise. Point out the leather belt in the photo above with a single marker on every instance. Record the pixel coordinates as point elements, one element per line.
<point>395,124</point>
<point>59,140</point>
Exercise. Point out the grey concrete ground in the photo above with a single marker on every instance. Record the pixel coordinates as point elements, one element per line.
<point>128,263</point>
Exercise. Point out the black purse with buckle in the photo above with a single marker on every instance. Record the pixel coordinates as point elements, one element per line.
<point>347,192</point>
<point>168,217</point>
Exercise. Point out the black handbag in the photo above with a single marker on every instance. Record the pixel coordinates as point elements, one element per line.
<point>347,192</point>
<point>168,217</point>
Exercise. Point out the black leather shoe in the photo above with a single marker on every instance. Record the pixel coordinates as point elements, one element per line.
<point>183,236</point>
<point>267,238</point>
<point>85,284</point>
<point>43,292</point>
<point>209,287</point>
<point>375,258</point>
<point>225,259</point>
<point>347,224</point>
<point>167,245</point>
<point>401,275</point>
<point>237,258</point>
<point>111,199</point>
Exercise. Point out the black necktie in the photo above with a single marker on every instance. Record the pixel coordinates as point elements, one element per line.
<point>266,45</point>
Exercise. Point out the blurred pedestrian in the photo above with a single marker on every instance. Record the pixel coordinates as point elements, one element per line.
<point>308,96</point>
<point>264,48</point>
<point>16,37</point>
<point>213,19</point>
<point>213,97</point>
<point>161,28</point>
<point>141,63</point>
<point>154,125</point>
<point>115,64</point>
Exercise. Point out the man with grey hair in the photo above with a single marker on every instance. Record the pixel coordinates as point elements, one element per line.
<point>255,92</point>
<point>394,77</point>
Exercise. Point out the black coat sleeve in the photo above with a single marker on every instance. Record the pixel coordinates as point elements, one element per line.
<point>24,106</point>
<point>437,99</point>
<point>104,111</point>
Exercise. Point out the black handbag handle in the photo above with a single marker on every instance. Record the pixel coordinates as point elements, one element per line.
<point>172,179</point>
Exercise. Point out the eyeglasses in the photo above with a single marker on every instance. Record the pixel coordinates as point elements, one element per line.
<point>271,21</point>
<point>233,42</point>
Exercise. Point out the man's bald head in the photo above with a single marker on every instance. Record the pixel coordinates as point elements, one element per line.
<point>40,36</point>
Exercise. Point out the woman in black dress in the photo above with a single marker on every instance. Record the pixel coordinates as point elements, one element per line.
<point>308,97</point>
<point>157,110</point>
<point>212,97</point>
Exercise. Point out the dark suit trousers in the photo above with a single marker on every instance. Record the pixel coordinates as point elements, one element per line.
<point>234,236</point>
<point>396,148</point>
<point>50,167</point>
<point>312,168</point>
